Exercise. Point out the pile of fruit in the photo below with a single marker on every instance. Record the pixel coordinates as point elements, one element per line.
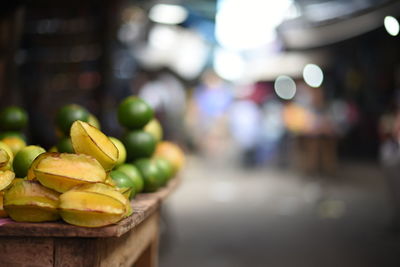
<point>88,178</point>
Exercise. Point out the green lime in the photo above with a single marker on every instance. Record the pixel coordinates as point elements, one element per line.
<point>94,121</point>
<point>152,176</point>
<point>154,128</point>
<point>68,114</point>
<point>13,118</point>
<point>12,134</point>
<point>133,173</point>
<point>134,113</point>
<point>123,181</point>
<point>24,159</point>
<point>65,145</point>
<point>139,144</point>
<point>165,167</point>
<point>121,150</point>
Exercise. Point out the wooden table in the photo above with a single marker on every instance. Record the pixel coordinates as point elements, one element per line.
<point>133,240</point>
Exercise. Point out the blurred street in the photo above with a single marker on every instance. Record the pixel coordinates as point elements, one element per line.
<point>225,216</point>
<point>287,114</point>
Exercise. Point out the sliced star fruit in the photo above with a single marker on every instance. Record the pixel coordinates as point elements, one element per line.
<point>89,140</point>
<point>6,178</point>
<point>29,201</point>
<point>93,205</point>
<point>4,158</point>
<point>63,171</point>
<point>31,174</point>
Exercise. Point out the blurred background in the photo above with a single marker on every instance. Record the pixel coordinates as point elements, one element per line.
<point>288,111</point>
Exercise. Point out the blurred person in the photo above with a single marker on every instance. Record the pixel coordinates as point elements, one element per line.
<point>317,133</point>
<point>208,112</point>
<point>273,138</point>
<point>245,127</point>
<point>167,95</point>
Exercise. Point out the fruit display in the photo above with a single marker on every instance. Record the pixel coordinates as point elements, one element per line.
<point>63,171</point>
<point>124,182</point>
<point>134,113</point>
<point>14,143</point>
<point>139,144</point>
<point>154,128</point>
<point>87,139</point>
<point>87,178</point>
<point>68,114</point>
<point>133,173</point>
<point>24,159</point>
<point>32,202</point>
<point>121,151</point>
<point>13,119</point>
<point>153,177</point>
<point>172,153</point>
<point>6,178</point>
<point>102,205</point>
<point>64,145</point>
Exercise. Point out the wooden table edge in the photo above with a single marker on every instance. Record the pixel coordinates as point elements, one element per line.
<point>143,206</point>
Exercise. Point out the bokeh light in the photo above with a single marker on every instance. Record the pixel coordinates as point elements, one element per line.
<point>229,65</point>
<point>241,26</point>
<point>285,87</point>
<point>168,14</point>
<point>391,25</point>
<point>313,75</point>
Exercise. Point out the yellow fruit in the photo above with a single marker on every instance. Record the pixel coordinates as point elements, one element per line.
<point>109,181</point>
<point>94,121</point>
<point>101,188</point>
<point>121,150</point>
<point>89,140</point>
<point>155,129</point>
<point>108,190</point>
<point>62,171</point>
<point>125,191</point>
<point>4,158</point>
<point>3,213</point>
<point>29,201</point>
<point>6,178</point>
<point>93,205</point>
<point>129,209</point>
<point>15,143</point>
<point>119,194</point>
<point>172,153</point>
<point>7,167</point>
<point>31,174</point>
<point>16,180</point>
<point>6,148</point>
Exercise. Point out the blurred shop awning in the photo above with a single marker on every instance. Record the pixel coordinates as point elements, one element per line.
<point>328,22</point>
<point>285,63</point>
